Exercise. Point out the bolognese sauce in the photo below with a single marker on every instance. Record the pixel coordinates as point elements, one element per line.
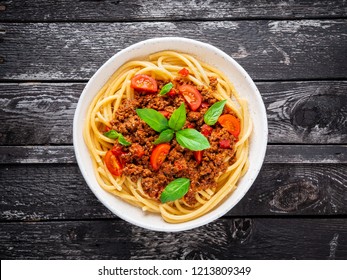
<point>158,165</point>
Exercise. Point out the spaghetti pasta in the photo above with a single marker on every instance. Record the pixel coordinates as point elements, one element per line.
<point>103,109</point>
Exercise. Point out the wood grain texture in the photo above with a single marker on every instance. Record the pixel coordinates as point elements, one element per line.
<point>270,50</point>
<point>34,113</point>
<point>314,112</point>
<point>50,192</point>
<point>306,154</point>
<point>241,238</point>
<point>298,112</point>
<point>324,154</point>
<point>136,10</point>
<point>297,190</point>
<point>36,154</point>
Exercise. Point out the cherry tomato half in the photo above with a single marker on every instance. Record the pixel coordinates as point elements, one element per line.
<point>113,163</point>
<point>191,95</point>
<point>117,150</point>
<point>144,83</point>
<point>158,155</point>
<point>198,156</point>
<point>231,123</point>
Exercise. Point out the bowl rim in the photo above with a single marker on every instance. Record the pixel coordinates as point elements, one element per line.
<point>196,222</point>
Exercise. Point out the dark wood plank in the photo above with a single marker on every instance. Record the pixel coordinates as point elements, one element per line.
<point>110,10</point>
<point>34,113</point>
<point>324,154</point>
<point>298,112</point>
<point>37,154</point>
<point>306,154</point>
<point>297,190</point>
<point>51,193</point>
<point>46,192</point>
<point>241,238</point>
<point>271,50</point>
<point>313,112</point>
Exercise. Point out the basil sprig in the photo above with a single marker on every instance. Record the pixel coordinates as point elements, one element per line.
<point>192,140</point>
<point>175,190</point>
<point>178,118</point>
<point>153,118</point>
<point>187,138</point>
<point>165,136</point>
<point>213,113</point>
<point>165,89</point>
<point>112,134</point>
<point>123,141</point>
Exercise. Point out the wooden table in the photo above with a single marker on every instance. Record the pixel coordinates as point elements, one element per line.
<point>296,51</point>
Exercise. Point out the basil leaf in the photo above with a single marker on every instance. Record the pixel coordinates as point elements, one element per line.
<point>175,190</point>
<point>213,113</point>
<point>192,140</point>
<point>165,89</point>
<point>178,118</point>
<point>123,141</point>
<point>112,134</point>
<point>153,118</point>
<point>165,136</point>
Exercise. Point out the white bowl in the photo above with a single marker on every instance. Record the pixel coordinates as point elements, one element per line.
<point>204,52</point>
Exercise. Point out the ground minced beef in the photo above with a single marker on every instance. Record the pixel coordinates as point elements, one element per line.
<point>180,162</point>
